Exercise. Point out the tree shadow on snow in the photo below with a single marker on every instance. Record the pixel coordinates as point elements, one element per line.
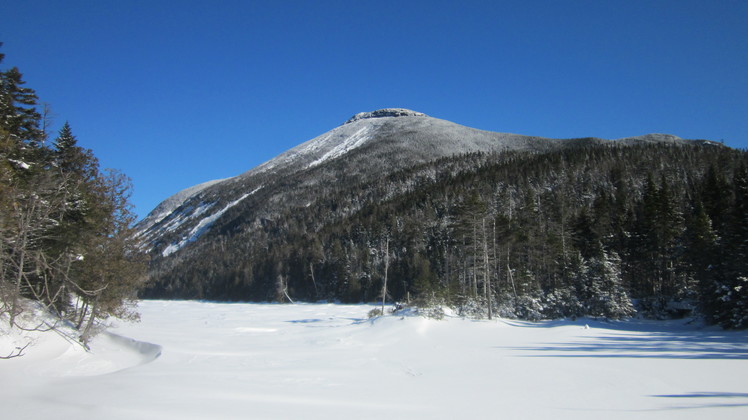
<point>333,321</point>
<point>708,399</point>
<point>305,321</point>
<point>644,340</point>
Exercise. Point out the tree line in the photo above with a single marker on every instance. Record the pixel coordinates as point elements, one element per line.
<point>65,224</point>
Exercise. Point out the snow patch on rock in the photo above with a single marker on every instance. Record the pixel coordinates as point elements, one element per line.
<point>202,226</point>
<point>168,206</point>
<point>357,139</point>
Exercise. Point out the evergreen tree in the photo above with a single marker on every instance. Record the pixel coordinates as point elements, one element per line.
<point>585,236</point>
<point>701,253</point>
<point>18,116</point>
<point>603,290</point>
<point>469,228</point>
<point>715,196</point>
<point>71,159</point>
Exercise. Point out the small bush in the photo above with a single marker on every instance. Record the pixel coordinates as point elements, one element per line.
<point>375,313</point>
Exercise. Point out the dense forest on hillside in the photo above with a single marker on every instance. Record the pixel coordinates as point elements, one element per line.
<point>66,243</point>
<point>592,230</point>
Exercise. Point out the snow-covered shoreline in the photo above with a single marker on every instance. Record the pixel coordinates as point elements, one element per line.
<point>326,361</point>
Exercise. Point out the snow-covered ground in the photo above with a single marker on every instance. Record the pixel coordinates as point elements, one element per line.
<point>196,360</point>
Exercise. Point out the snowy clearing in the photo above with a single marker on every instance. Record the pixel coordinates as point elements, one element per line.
<point>196,360</point>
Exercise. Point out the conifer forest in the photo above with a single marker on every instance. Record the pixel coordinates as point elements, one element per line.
<point>601,231</point>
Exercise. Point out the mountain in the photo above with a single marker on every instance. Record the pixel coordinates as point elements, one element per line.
<point>367,145</point>
<point>522,226</point>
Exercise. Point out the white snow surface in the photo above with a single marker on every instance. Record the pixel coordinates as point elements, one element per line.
<point>197,360</point>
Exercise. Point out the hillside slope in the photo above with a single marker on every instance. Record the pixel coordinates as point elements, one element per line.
<point>372,144</point>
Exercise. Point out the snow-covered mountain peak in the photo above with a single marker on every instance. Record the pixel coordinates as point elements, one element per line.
<point>386,112</point>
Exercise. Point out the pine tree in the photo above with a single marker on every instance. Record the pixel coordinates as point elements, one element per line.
<point>18,116</point>
<point>72,159</point>
<point>702,254</point>
<point>585,236</point>
<point>715,196</point>
<point>606,296</point>
<point>469,228</point>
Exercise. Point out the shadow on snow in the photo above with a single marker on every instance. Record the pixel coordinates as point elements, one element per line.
<point>701,396</point>
<point>641,339</point>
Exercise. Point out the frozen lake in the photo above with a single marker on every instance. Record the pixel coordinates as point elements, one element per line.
<point>197,360</point>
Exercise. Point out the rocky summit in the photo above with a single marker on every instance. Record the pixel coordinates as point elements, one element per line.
<point>386,112</point>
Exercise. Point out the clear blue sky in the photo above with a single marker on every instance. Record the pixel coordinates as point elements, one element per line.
<point>175,93</point>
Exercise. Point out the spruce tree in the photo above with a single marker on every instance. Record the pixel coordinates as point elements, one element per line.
<point>605,293</point>
<point>72,160</point>
<point>18,116</point>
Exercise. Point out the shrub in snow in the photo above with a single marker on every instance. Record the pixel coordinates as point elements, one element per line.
<point>595,289</point>
<point>732,310</point>
<point>431,306</point>
<point>426,308</point>
<point>473,308</point>
<point>505,307</point>
<point>375,313</point>
<point>661,308</point>
<point>436,312</point>
<point>562,303</point>
<point>529,308</point>
<point>606,296</point>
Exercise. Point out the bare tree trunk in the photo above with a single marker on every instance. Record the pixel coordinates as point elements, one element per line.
<point>475,258</point>
<point>282,288</point>
<point>563,238</point>
<point>497,258</point>
<point>487,274</point>
<point>16,293</point>
<point>386,268</point>
<point>82,315</point>
<point>47,118</point>
<point>511,278</point>
<point>285,290</point>
<point>311,271</point>
<point>86,333</point>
